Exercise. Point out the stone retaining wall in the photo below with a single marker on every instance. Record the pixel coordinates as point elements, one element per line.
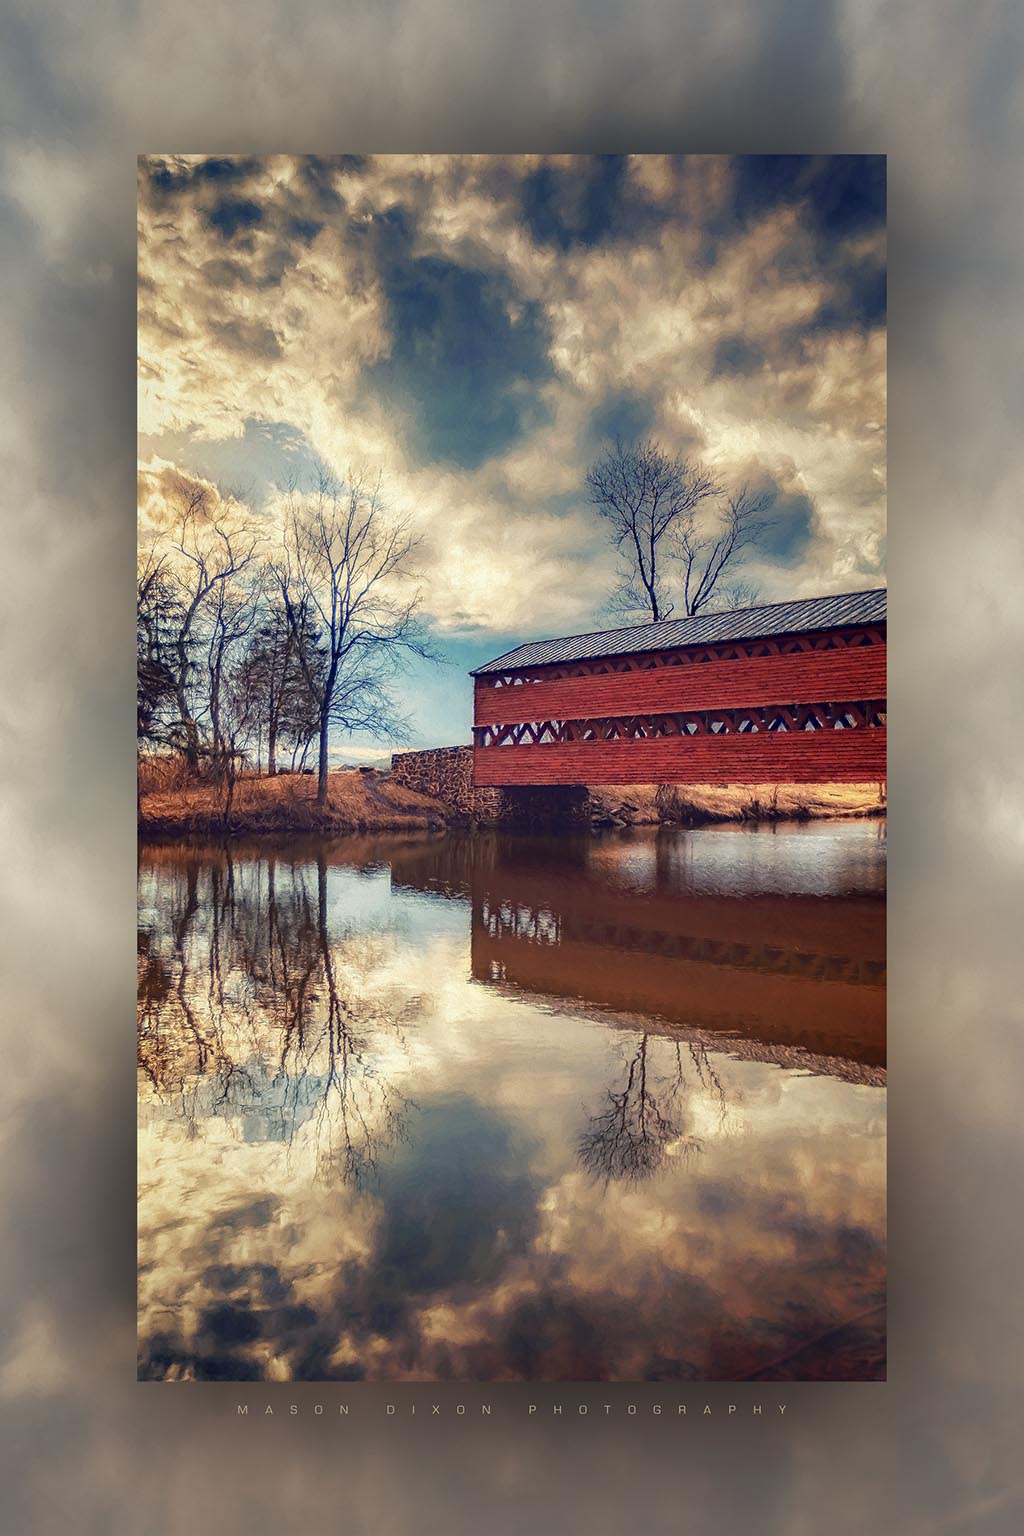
<point>446,774</point>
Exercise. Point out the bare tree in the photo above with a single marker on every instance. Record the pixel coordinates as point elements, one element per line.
<point>234,609</point>
<point>196,578</point>
<point>741,593</point>
<point>344,563</point>
<point>270,671</point>
<point>651,501</point>
<point>237,713</point>
<point>647,496</point>
<point>707,560</point>
<point>157,614</point>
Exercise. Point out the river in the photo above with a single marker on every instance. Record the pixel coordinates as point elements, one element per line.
<point>497,1107</point>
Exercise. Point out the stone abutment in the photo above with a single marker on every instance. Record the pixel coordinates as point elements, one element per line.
<point>446,774</point>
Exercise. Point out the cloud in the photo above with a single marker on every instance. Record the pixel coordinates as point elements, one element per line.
<point>464,356</point>
<point>858,300</point>
<point>620,415</point>
<point>252,337</point>
<point>792,526</point>
<point>231,214</point>
<point>585,200</point>
<point>843,195</point>
<point>734,355</point>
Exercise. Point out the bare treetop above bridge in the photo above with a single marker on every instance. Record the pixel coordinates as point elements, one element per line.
<point>800,616</point>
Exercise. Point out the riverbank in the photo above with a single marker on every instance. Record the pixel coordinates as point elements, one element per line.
<point>368,800</point>
<point>357,801</point>
<point>696,805</point>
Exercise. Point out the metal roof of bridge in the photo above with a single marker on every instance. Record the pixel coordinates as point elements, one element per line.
<point>756,623</point>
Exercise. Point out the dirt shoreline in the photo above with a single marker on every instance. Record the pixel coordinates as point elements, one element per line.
<point>373,801</point>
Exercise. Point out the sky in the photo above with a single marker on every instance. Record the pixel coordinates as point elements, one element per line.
<point>479,329</point>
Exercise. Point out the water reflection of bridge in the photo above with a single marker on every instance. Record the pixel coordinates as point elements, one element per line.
<point>787,970</point>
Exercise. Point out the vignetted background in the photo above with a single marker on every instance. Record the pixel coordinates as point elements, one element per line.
<point>82,91</point>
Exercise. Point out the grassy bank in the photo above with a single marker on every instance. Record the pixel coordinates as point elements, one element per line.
<point>356,802</point>
<point>695,805</point>
<point>172,806</point>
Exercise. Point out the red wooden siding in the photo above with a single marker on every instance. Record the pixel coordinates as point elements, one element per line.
<point>763,757</point>
<point>808,678</point>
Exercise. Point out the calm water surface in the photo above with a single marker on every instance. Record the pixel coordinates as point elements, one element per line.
<point>496,1107</point>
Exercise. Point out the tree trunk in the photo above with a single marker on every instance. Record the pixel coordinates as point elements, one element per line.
<point>229,786</point>
<point>215,677</point>
<point>192,746</point>
<point>272,747</point>
<point>181,699</point>
<point>325,728</point>
<point>321,783</point>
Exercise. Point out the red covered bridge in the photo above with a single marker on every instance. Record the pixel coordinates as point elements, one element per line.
<point>778,693</point>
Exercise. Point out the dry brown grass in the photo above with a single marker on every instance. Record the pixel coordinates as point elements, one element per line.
<point>356,802</point>
<point>159,773</point>
<point>696,804</point>
<point>173,805</point>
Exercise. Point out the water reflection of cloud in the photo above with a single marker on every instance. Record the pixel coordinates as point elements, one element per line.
<point>463,1235</point>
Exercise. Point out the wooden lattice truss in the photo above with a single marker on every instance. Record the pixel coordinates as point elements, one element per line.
<point>858,715</point>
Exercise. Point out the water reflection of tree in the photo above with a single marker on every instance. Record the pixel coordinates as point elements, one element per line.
<point>249,1005</point>
<point>354,1153</point>
<point>630,1138</point>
